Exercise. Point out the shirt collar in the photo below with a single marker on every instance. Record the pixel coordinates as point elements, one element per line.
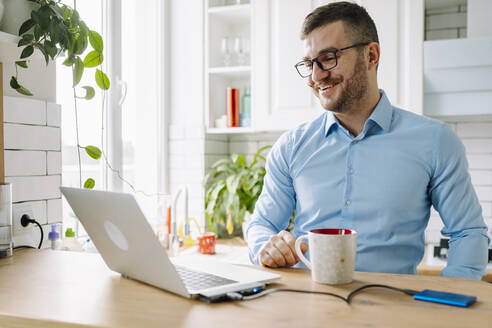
<point>382,115</point>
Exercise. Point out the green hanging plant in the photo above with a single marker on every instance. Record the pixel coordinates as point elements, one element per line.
<point>232,187</point>
<point>56,29</point>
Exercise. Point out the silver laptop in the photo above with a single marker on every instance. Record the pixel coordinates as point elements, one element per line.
<point>129,246</point>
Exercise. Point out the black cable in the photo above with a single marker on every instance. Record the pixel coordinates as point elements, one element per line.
<point>274,290</point>
<point>42,233</point>
<point>355,291</point>
<point>239,297</point>
<point>25,220</point>
<point>24,246</point>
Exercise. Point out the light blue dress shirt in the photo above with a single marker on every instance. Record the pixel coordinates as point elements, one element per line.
<point>381,183</point>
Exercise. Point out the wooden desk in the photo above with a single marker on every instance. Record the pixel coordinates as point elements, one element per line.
<point>65,289</point>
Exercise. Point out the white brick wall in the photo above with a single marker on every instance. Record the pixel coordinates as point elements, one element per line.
<point>445,22</point>
<point>53,113</point>
<point>54,162</point>
<point>186,166</point>
<point>25,162</point>
<point>35,187</point>
<point>24,110</point>
<point>33,164</point>
<point>31,137</point>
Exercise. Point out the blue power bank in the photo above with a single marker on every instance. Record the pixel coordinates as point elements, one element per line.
<point>435,296</point>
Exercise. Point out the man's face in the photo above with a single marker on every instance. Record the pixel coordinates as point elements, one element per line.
<point>341,87</point>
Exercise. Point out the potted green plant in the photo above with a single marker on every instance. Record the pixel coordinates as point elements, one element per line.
<point>55,29</point>
<point>232,188</point>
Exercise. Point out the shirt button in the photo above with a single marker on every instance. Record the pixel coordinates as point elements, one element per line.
<point>354,142</point>
<point>351,171</point>
<point>348,202</point>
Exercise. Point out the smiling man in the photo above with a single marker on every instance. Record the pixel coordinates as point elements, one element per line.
<point>364,164</point>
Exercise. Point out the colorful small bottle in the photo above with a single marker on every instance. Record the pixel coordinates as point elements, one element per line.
<point>55,238</point>
<point>70,243</point>
<point>245,115</point>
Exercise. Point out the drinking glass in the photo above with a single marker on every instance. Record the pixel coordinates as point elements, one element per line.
<point>225,49</point>
<point>241,50</point>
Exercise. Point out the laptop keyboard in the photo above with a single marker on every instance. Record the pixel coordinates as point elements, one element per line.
<point>195,280</point>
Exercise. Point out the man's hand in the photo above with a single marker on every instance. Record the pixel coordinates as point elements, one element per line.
<point>280,250</point>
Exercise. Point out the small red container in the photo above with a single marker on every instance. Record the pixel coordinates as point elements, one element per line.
<point>206,243</point>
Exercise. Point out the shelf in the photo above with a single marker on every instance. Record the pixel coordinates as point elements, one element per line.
<point>231,71</point>
<point>232,14</point>
<point>230,130</point>
<point>9,38</point>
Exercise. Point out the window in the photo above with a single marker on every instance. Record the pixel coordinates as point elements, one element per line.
<point>132,127</point>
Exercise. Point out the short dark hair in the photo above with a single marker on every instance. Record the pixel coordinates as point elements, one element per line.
<point>359,26</point>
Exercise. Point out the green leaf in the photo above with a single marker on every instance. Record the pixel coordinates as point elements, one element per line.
<point>44,16</point>
<point>75,18</point>
<point>50,48</point>
<point>23,42</point>
<point>58,11</point>
<point>38,33</point>
<point>23,91</point>
<point>78,70</point>
<point>221,161</point>
<point>207,177</point>
<point>26,39</point>
<point>44,52</point>
<point>13,83</point>
<point>90,92</point>
<point>28,51</point>
<point>102,80</point>
<point>26,26</point>
<point>21,63</point>
<point>96,41</point>
<point>219,187</point>
<point>19,88</point>
<point>93,59</point>
<point>241,160</point>
<point>69,61</point>
<point>89,183</point>
<point>93,151</point>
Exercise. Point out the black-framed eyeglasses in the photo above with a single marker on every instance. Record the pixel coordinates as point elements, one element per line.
<point>326,61</point>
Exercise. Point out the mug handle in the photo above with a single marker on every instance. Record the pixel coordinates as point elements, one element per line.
<point>299,252</point>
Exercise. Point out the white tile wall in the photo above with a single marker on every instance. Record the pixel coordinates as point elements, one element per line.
<point>33,164</point>
<point>445,22</point>
<point>54,210</point>
<point>24,110</point>
<point>35,187</point>
<point>25,162</point>
<point>53,113</point>
<point>37,208</point>
<point>54,160</point>
<point>186,166</point>
<point>31,137</point>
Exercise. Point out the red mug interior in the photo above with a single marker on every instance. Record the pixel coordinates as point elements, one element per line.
<point>333,231</point>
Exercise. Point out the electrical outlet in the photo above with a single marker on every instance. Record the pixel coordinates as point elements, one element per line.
<point>17,214</point>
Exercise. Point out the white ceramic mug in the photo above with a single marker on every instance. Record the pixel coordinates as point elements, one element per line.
<point>332,253</point>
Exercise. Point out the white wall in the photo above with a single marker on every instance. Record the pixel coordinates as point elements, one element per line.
<point>186,133</point>
<point>32,145</point>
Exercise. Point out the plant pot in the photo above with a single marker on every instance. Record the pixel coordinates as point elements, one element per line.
<point>15,13</point>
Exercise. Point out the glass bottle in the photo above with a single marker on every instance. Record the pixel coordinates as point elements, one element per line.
<point>245,114</point>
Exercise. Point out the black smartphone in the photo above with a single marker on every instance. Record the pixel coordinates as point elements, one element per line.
<point>435,296</point>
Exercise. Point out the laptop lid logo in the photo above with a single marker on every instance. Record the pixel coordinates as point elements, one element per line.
<point>116,235</point>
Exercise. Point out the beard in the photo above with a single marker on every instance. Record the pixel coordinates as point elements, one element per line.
<point>354,90</point>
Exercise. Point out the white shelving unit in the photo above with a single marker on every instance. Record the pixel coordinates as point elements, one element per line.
<point>225,21</point>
